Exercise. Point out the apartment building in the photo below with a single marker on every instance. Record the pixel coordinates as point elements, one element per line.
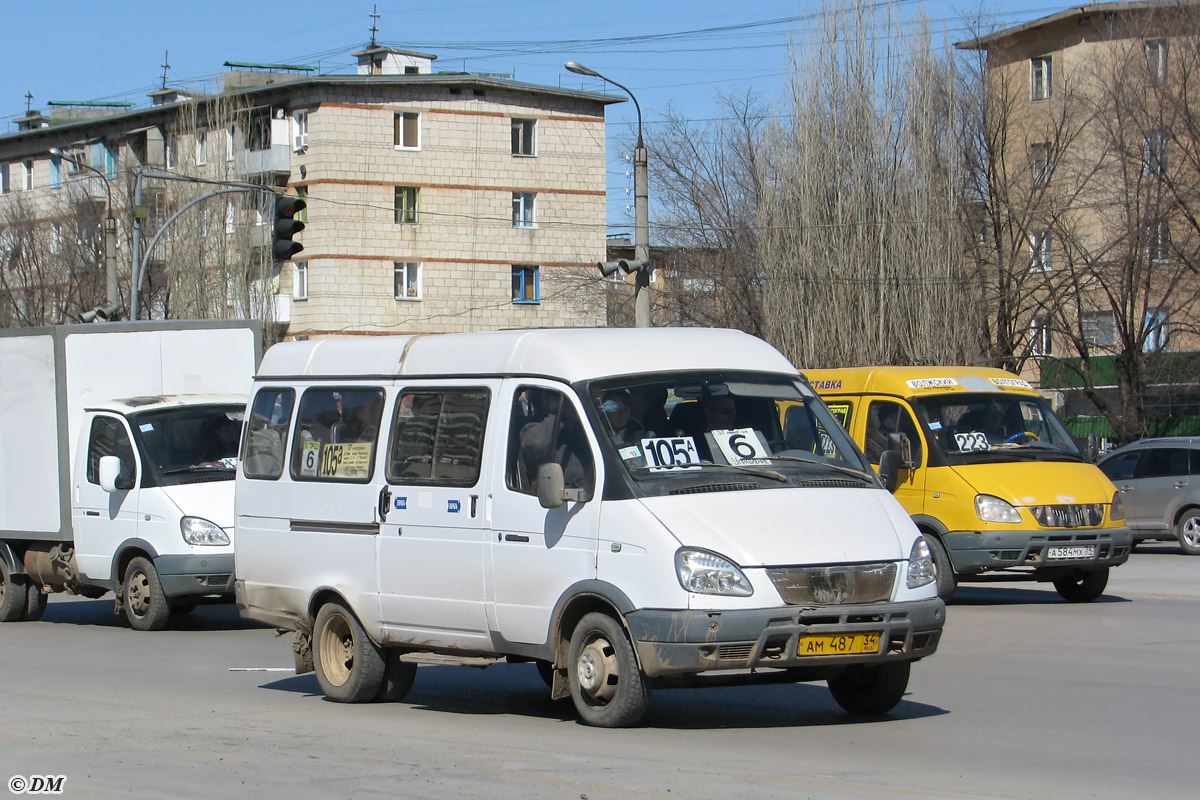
<point>436,202</point>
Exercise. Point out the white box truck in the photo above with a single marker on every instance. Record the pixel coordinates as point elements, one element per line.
<point>118,444</point>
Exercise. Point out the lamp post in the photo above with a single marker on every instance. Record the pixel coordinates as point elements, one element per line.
<point>112,296</point>
<point>641,208</point>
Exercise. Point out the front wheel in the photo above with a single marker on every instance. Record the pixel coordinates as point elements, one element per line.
<point>1187,530</point>
<point>146,607</point>
<point>349,666</point>
<point>942,568</point>
<point>607,686</point>
<point>1082,587</point>
<point>13,595</point>
<point>871,689</point>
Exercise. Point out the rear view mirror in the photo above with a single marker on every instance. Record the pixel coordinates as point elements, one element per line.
<point>110,475</point>
<point>899,443</point>
<point>889,469</point>
<point>550,485</point>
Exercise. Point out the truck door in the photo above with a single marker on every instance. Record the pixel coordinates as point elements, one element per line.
<point>537,553</point>
<point>433,535</point>
<point>102,521</point>
<point>883,418</point>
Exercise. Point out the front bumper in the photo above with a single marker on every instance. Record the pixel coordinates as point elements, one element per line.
<point>193,574</point>
<point>670,643</point>
<point>980,551</point>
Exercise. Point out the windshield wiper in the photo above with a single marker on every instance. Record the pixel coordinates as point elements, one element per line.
<point>857,473</point>
<point>198,468</point>
<point>762,473</point>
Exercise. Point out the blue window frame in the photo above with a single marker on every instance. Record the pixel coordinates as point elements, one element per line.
<point>526,284</point>
<point>55,172</point>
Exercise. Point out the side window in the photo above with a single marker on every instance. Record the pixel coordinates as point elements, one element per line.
<point>266,433</point>
<point>1164,462</point>
<point>1195,461</point>
<point>336,432</point>
<point>1120,467</point>
<point>437,438</point>
<point>108,438</point>
<point>885,417</point>
<point>545,428</point>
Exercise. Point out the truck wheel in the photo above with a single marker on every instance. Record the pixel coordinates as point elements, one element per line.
<point>13,595</point>
<point>1082,587</point>
<point>607,686</point>
<point>35,603</point>
<point>946,582</point>
<point>398,677</point>
<point>349,666</point>
<point>146,607</point>
<point>871,689</point>
<point>1187,530</point>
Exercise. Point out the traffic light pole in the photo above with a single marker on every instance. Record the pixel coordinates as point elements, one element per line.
<point>641,248</point>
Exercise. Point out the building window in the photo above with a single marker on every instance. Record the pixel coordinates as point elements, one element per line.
<point>524,137</point>
<point>1039,78</point>
<point>407,279</point>
<point>171,153</point>
<point>522,210</point>
<point>300,280</point>
<point>258,135</point>
<point>526,284</point>
<point>302,214</point>
<point>201,147</point>
<point>1041,252</point>
<point>1154,153</point>
<point>230,217</point>
<point>1039,155</point>
<point>1157,330</point>
<point>264,208</point>
<point>408,202</point>
<point>27,183</point>
<point>229,142</point>
<point>4,187</point>
<point>407,133</point>
<point>299,130</point>
<point>1156,59</point>
<point>56,237</point>
<point>1039,336</point>
<point>1099,328</point>
<point>56,172</point>
<point>1158,241</point>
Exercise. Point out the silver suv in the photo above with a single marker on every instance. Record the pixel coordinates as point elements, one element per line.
<point>1159,481</point>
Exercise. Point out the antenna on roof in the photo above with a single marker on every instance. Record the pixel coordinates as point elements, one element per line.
<point>28,103</point>
<point>166,65</point>
<point>374,19</point>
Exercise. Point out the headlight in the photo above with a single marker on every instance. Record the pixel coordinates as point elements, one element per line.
<point>920,564</point>
<point>708,573</point>
<point>197,530</point>
<point>993,509</point>
<point>1117,509</point>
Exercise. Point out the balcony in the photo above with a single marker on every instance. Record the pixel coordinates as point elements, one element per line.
<point>277,160</point>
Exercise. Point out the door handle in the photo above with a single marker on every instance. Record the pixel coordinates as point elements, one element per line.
<point>1124,488</point>
<point>385,501</point>
<point>515,537</point>
<point>1181,485</point>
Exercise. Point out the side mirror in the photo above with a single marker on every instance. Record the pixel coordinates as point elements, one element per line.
<point>110,475</point>
<point>899,443</point>
<point>889,469</point>
<point>550,485</point>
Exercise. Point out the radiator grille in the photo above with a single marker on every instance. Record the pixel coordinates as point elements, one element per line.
<point>822,586</point>
<point>1073,515</point>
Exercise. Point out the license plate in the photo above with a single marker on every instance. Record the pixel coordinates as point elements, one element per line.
<point>1067,553</point>
<point>838,644</point>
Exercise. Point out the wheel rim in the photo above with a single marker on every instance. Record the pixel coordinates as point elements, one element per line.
<point>337,650</point>
<point>1191,532</point>
<point>597,670</point>
<point>137,594</point>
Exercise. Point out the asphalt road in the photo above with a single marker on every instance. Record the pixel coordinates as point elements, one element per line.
<point>1028,696</point>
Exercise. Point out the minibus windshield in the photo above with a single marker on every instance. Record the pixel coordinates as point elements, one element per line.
<point>189,444</point>
<point>740,430</point>
<point>995,426</point>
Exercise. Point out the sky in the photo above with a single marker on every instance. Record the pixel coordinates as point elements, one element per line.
<point>678,53</point>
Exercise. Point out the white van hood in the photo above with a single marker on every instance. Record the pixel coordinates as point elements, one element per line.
<point>776,527</point>
<point>212,500</point>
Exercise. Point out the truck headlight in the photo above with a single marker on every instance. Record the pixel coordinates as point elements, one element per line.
<point>920,564</point>
<point>1117,510</point>
<point>197,530</point>
<point>993,509</point>
<point>703,572</point>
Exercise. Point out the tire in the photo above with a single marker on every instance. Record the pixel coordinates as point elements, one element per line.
<point>398,677</point>
<point>13,595</point>
<point>146,607</point>
<point>35,603</point>
<point>943,569</point>
<point>349,667</point>
<point>871,689</point>
<point>1187,530</point>
<point>1082,587</point>
<point>607,686</point>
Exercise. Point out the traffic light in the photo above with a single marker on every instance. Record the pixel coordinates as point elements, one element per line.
<point>625,265</point>
<point>287,226</point>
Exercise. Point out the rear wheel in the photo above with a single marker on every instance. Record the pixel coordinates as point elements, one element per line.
<point>1187,530</point>
<point>943,569</point>
<point>871,689</point>
<point>13,595</point>
<point>607,685</point>
<point>146,607</point>
<point>1084,586</point>
<point>349,666</point>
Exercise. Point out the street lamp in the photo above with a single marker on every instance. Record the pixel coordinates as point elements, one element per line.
<point>641,208</point>
<point>112,296</point>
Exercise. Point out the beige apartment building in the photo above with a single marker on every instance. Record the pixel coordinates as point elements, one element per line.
<point>436,202</point>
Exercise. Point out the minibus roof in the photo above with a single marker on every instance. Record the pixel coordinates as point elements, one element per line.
<point>568,354</point>
<point>915,381</point>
